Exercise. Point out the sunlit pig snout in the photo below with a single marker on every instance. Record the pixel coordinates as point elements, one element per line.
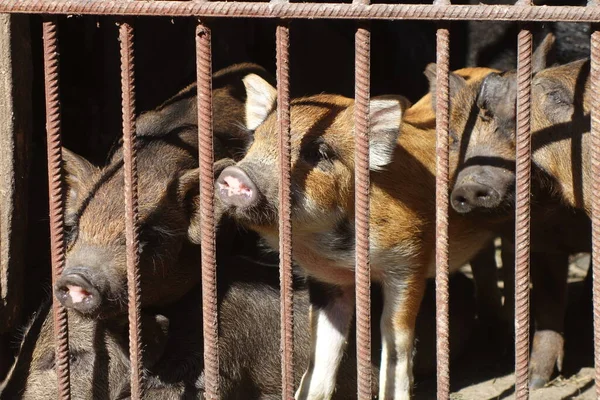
<point>235,188</point>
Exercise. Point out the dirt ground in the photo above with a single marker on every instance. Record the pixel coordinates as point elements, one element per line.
<point>485,371</point>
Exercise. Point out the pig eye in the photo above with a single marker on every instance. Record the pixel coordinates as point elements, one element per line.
<point>47,361</point>
<point>485,115</point>
<point>453,139</point>
<point>71,233</point>
<point>557,97</point>
<point>317,153</point>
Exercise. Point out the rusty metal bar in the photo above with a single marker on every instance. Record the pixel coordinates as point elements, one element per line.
<point>442,119</point>
<point>207,207</point>
<point>362,93</point>
<point>285,212</point>
<point>595,166</point>
<point>303,10</point>
<point>131,209</point>
<point>55,183</point>
<point>522,228</point>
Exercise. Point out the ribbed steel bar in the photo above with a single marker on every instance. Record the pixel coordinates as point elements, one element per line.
<point>131,209</point>
<point>55,186</point>
<point>362,93</point>
<point>441,216</point>
<point>303,10</point>
<point>595,163</point>
<point>522,228</point>
<point>208,240</point>
<point>285,212</point>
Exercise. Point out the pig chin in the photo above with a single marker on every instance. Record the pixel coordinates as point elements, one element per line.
<point>262,214</point>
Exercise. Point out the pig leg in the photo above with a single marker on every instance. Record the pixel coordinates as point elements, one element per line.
<point>331,312</point>
<point>549,297</point>
<point>401,306</point>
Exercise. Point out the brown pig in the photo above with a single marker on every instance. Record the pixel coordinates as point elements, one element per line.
<point>99,361</point>
<point>402,217</point>
<point>94,279</point>
<point>482,123</point>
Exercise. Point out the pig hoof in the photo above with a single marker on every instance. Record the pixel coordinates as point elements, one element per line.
<point>76,292</point>
<point>537,383</point>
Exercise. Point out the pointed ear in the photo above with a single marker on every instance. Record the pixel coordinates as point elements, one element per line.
<point>188,192</point>
<point>455,83</point>
<point>260,100</point>
<point>545,54</point>
<point>77,171</point>
<point>497,96</point>
<point>385,113</point>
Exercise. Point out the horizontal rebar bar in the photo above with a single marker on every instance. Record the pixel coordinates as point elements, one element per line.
<point>304,10</point>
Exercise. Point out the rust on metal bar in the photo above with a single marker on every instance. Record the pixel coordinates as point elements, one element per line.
<point>55,186</point>
<point>595,172</point>
<point>131,209</point>
<point>442,119</point>
<point>522,217</point>
<point>210,322</point>
<point>303,10</point>
<point>362,94</point>
<point>285,211</point>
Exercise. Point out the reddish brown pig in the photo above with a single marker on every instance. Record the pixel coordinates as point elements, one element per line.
<point>402,236</point>
<point>94,279</point>
<point>483,125</point>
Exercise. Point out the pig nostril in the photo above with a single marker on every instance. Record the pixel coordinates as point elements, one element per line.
<point>461,200</point>
<point>482,195</point>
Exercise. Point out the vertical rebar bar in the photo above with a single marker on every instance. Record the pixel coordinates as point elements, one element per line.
<point>55,187</point>
<point>442,118</point>
<point>282,37</point>
<point>595,172</point>
<point>362,92</point>
<point>208,239</point>
<point>131,208</point>
<point>522,228</point>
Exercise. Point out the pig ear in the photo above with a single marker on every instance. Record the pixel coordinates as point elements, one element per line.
<point>188,192</point>
<point>260,100</point>
<point>545,54</point>
<point>497,96</point>
<point>455,83</point>
<point>385,114</point>
<point>77,171</point>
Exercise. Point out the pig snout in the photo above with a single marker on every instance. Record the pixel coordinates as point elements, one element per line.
<point>473,195</point>
<point>235,188</point>
<point>75,290</point>
<point>482,188</point>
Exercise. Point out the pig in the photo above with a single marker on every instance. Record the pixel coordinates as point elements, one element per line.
<point>93,281</point>
<point>402,216</point>
<point>248,306</point>
<point>99,361</point>
<point>482,123</point>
